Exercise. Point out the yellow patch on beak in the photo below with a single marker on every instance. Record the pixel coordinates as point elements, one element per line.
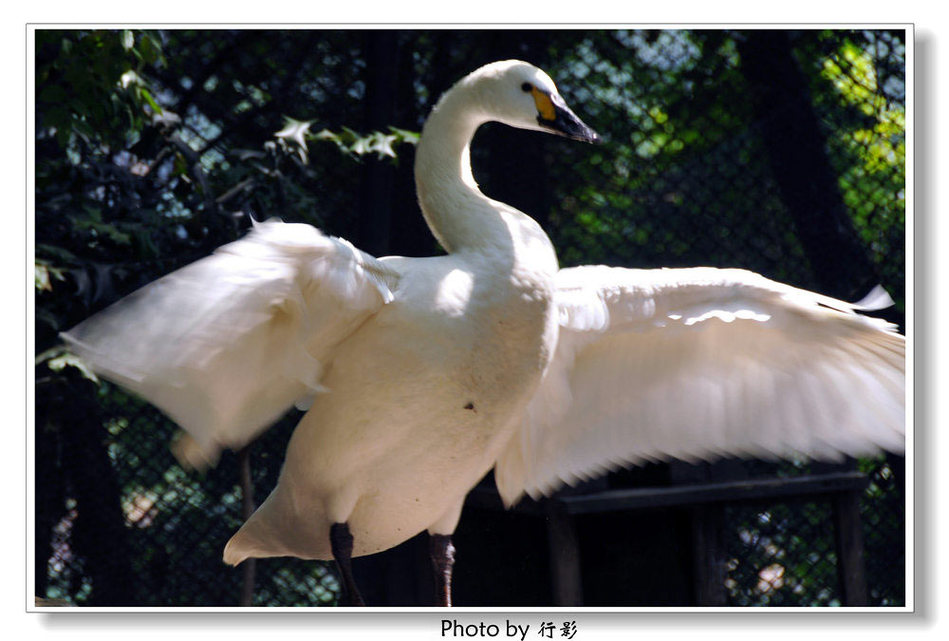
<point>544,105</point>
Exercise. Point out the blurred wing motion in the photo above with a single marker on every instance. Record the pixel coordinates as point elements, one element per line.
<point>226,345</point>
<point>702,363</point>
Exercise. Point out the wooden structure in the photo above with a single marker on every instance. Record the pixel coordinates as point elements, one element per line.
<point>691,516</point>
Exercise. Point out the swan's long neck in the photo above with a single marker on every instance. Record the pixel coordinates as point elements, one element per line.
<point>456,211</point>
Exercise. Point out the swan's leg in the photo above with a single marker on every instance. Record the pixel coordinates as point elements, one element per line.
<point>341,541</point>
<point>443,552</point>
<point>443,559</point>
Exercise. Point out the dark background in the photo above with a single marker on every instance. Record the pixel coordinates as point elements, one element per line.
<point>780,152</point>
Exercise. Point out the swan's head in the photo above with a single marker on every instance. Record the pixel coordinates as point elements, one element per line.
<point>521,95</point>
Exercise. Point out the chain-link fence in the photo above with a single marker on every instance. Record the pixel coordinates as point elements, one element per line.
<point>708,161</point>
<point>788,553</point>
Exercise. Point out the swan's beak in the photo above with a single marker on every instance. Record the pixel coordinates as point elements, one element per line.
<point>554,115</point>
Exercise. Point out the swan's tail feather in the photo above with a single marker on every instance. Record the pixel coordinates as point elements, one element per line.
<point>273,530</point>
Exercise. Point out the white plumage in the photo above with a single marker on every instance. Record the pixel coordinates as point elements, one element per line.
<point>228,344</point>
<point>428,372</point>
<point>701,363</point>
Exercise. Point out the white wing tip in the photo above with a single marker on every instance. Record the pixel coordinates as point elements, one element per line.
<point>878,298</point>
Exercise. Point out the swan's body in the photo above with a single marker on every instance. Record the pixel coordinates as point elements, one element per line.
<point>437,369</point>
<point>394,455</point>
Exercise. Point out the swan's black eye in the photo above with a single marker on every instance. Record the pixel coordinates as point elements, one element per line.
<point>526,87</point>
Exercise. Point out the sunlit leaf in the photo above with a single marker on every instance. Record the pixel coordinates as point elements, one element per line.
<point>146,94</point>
<point>406,136</point>
<point>294,131</point>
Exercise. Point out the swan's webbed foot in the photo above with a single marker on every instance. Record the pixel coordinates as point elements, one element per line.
<point>341,542</point>
<point>442,553</point>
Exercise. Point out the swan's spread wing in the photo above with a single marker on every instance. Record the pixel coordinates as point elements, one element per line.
<point>700,363</point>
<point>227,344</point>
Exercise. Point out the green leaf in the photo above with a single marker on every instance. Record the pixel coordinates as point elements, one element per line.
<point>406,136</point>
<point>71,360</point>
<point>381,144</point>
<point>146,94</point>
<point>360,146</point>
<point>294,133</point>
<point>42,278</point>
<point>326,134</point>
<point>150,49</point>
<point>57,252</point>
<point>58,358</point>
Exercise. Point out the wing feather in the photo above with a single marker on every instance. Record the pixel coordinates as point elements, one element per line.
<point>702,363</point>
<point>229,343</point>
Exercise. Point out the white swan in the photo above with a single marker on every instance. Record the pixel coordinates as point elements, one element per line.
<point>426,373</point>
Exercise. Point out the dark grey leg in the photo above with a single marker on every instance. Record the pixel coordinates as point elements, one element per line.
<point>341,541</point>
<point>443,558</point>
